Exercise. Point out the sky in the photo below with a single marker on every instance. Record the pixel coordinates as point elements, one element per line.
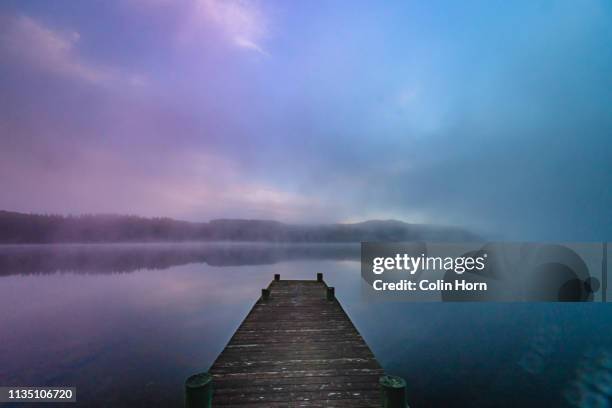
<point>492,115</point>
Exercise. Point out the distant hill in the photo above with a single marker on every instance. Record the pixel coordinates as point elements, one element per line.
<point>17,228</point>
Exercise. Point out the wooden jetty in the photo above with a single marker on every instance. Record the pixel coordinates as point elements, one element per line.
<point>296,348</point>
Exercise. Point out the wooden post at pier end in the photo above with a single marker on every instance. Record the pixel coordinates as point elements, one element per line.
<point>265,294</point>
<point>199,391</point>
<point>393,390</point>
<point>331,293</point>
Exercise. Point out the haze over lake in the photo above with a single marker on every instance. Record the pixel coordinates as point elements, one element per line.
<point>127,323</point>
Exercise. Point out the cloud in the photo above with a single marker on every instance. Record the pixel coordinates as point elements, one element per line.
<point>238,23</point>
<point>27,41</point>
<point>248,44</point>
<point>185,185</point>
<point>239,20</point>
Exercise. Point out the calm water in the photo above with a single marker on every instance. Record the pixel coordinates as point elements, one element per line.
<point>126,324</point>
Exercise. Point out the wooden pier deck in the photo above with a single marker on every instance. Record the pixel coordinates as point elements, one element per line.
<point>296,349</point>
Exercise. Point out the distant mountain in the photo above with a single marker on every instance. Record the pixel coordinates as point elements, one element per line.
<point>16,228</point>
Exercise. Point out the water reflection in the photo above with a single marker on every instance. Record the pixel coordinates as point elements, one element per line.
<point>130,339</point>
<point>120,258</point>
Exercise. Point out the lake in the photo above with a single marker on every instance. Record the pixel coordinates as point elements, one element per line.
<point>126,324</point>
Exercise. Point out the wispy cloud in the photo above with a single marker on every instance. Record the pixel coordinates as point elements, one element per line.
<point>24,40</point>
<point>242,22</point>
<point>248,44</point>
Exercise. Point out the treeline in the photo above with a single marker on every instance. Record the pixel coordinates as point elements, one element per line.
<point>19,228</point>
<point>33,228</point>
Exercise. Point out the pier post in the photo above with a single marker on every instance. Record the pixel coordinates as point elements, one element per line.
<point>319,277</point>
<point>277,277</point>
<point>265,294</point>
<point>199,391</point>
<point>331,293</point>
<point>393,391</point>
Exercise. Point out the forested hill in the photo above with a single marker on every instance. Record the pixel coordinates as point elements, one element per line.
<point>16,228</point>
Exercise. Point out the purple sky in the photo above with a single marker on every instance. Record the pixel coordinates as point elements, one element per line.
<point>488,114</point>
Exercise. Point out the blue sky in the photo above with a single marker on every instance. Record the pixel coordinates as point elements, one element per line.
<point>494,115</point>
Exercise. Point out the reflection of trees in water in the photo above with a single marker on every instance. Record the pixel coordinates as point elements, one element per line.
<point>44,259</point>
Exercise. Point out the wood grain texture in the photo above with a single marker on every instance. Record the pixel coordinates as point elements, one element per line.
<point>296,349</point>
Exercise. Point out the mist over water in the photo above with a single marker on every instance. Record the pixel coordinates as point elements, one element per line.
<point>126,324</point>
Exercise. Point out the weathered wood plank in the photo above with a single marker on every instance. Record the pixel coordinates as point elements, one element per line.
<point>296,349</point>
